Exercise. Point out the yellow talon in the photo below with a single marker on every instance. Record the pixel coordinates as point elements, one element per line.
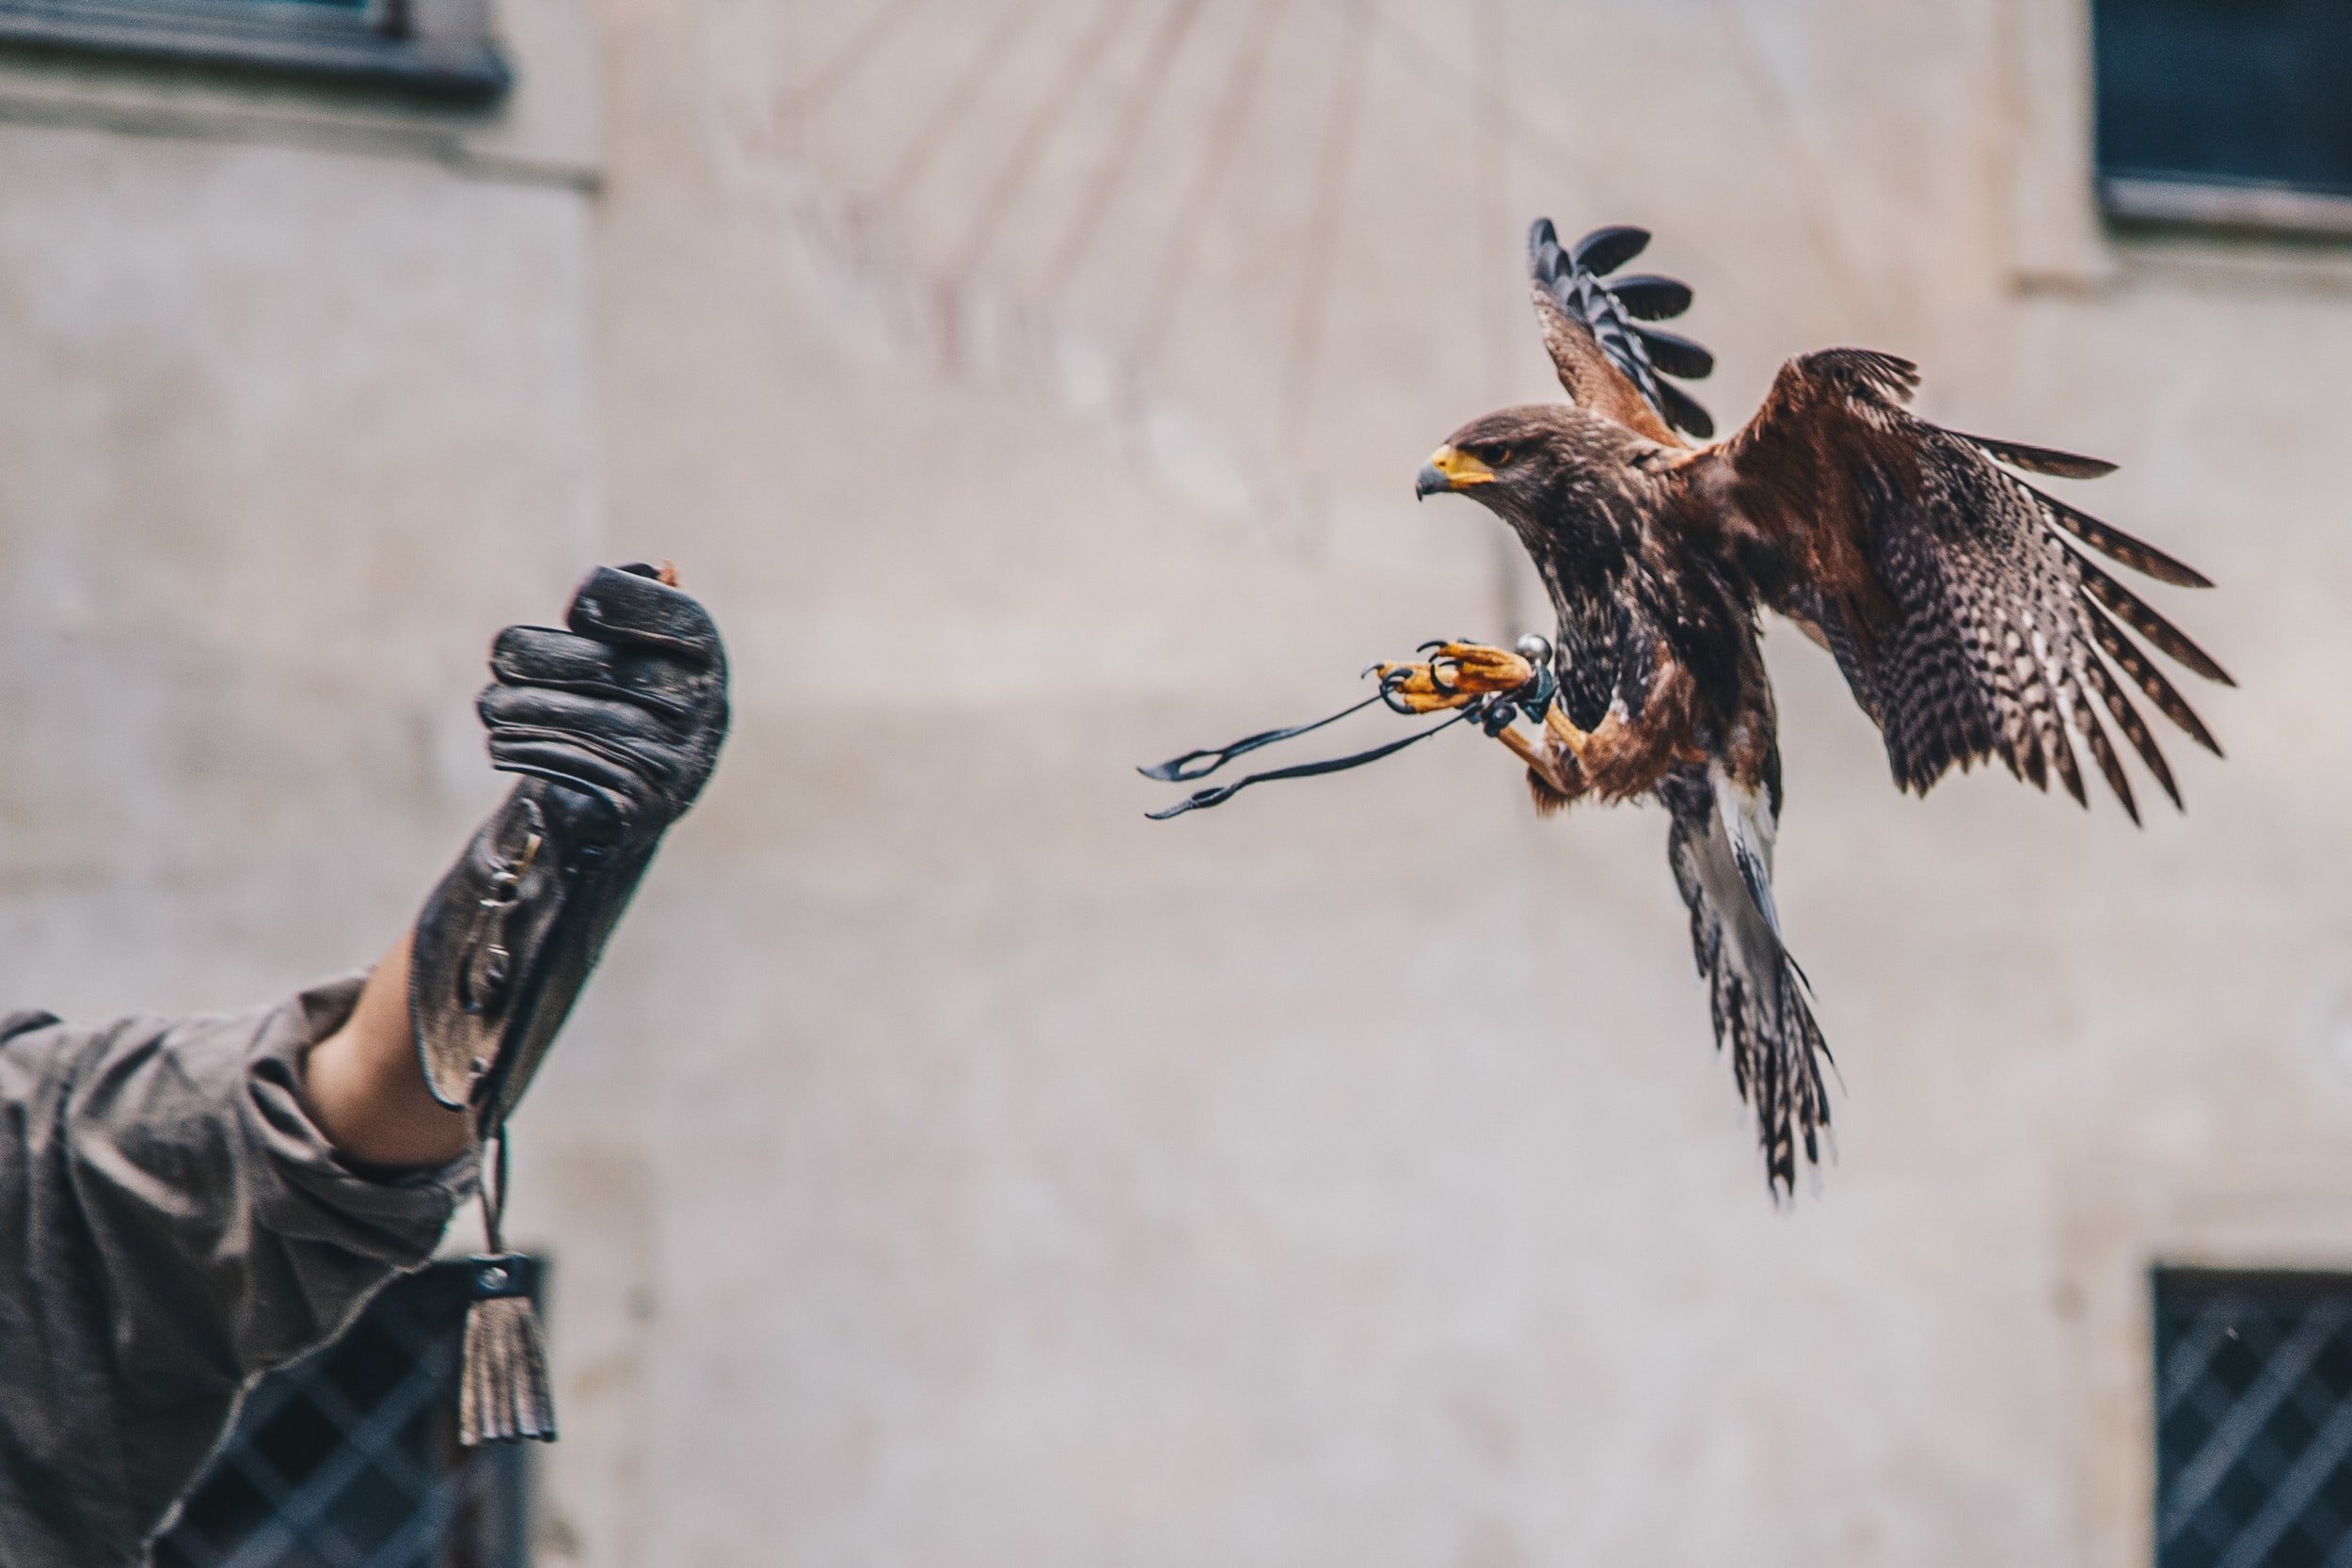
<point>1453,673</point>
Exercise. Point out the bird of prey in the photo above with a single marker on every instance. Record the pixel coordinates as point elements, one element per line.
<point>1959,600</point>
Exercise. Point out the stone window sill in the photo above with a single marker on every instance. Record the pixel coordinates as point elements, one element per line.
<point>514,96</point>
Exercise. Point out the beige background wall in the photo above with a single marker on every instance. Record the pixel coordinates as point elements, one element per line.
<point>950,1167</point>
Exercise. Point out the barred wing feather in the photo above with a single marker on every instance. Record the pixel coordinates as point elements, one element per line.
<point>1956,596</point>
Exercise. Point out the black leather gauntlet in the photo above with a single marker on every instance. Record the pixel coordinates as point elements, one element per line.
<point>615,724</point>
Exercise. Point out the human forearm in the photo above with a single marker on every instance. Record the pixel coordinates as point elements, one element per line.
<point>366,1088</point>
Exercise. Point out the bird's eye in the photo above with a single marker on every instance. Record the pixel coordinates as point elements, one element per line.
<point>1495,457</point>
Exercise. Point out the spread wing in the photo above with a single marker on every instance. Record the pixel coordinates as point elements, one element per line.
<point>1957,597</point>
<point>1610,366</point>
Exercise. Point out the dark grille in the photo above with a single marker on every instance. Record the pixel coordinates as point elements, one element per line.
<point>349,1457</point>
<point>2253,1420</point>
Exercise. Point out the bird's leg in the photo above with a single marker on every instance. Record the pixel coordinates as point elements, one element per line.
<point>1546,758</point>
<point>1453,674</point>
<point>1515,685</point>
<point>1555,776</point>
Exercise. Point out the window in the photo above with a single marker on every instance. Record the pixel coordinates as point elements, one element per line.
<point>2226,111</point>
<point>435,48</point>
<point>2253,1419</point>
<point>350,1457</point>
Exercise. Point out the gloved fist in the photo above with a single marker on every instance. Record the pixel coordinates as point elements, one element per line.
<point>625,711</point>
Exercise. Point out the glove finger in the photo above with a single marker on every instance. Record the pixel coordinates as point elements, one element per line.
<point>539,656</point>
<point>550,755</point>
<point>588,713</point>
<point>623,607</point>
<point>519,715</point>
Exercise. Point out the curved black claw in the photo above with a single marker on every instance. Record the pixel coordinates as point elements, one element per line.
<point>1398,677</point>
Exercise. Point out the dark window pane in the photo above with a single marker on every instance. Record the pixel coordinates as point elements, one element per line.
<point>2226,91</point>
<point>2253,1419</point>
<point>351,1455</point>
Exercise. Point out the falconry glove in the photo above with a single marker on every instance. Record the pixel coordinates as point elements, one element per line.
<point>615,724</point>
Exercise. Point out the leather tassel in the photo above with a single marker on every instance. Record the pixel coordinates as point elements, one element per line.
<point>503,1394</point>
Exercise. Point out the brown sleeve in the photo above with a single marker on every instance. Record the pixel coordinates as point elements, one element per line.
<point>234,1237</point>
<point>186,1227</point>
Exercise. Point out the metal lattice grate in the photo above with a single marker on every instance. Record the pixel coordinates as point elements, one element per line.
<point>349,1457</point>
<point>2253,1419</point>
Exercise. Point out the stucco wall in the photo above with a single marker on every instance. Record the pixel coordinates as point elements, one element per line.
<point>953,1167</point>
<point>286,430</point>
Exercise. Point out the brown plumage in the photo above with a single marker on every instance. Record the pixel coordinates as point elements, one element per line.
<point>1957,599</point>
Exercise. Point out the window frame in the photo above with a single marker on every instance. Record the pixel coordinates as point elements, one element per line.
<point>2216,204</point>
<point>2203,199</point>
<point>2063,237</point>
<point>442,50</point>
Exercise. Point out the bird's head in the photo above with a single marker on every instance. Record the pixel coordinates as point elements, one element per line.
<point>1512,461</point>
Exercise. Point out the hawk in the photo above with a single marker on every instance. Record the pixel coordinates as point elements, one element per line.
<point>1961,601</point>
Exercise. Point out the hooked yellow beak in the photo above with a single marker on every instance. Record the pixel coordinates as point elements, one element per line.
<point>1451,468</point>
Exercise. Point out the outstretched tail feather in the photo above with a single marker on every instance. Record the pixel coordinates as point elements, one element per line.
<point>1777,1053</point>
<point>1757,996</point>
